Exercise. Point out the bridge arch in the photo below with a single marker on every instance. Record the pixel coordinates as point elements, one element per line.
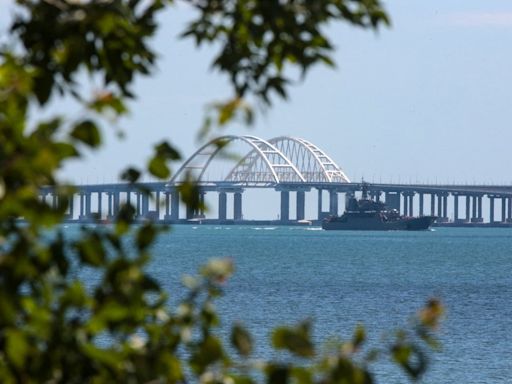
<point>263,165</point>
<point>312,162</point>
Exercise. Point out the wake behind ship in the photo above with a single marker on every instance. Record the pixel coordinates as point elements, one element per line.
<point>369,215</point>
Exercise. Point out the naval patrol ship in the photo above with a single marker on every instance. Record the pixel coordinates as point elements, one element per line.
<point>368,215</point>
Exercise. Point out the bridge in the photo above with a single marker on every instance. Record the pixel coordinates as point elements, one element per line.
<point>287,165</point>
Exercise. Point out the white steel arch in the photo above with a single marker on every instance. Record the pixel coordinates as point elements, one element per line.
<point>264,164</point>
<point>313,163</point>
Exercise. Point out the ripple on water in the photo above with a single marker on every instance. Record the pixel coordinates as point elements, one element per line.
<point>338,279</point>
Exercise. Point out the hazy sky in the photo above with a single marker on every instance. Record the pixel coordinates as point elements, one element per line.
<point>428,99</point>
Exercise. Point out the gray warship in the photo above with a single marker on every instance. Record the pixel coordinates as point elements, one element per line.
<point>368,215</point>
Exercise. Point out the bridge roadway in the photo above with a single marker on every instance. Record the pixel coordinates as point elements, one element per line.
<point>162,202</point>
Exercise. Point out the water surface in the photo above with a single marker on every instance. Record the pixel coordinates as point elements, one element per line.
<point>339,279</point>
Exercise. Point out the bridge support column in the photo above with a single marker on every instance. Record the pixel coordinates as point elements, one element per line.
<point>145,205</point>
<point>393,200</point>
<point>468,208</point>
<point>503,209</point>
<point>411,207</point>
<point>406,205</point>
<point>333,202</point>
<point>439,206</point>
<point>432,204</point>
<point>285,206</point>
<point>190,212</point>
<point>109,205</point>
<point>421,204</point>
<point>71,207</point>
<point>100,208</point>
<point>157,205</point>
<point>175,205</point>
<point>238,206</point>
<point>167,202</point>
<point>82,206</point>
<point>509,213</point>
<point>137,204</point>
<point>88,205</point>
<point>195,212</point>
<point>445,207</point>
<point>223,204</point>
<point>455,207</point>
<point>491,209</point>
<point>480,217</point>
<point>55,200</point>
<point>473,213</point>
<point>201,204</point>
<point>320,216</point>
<point>350,195</point>
<point>117,202</point>
<point>301,205</point>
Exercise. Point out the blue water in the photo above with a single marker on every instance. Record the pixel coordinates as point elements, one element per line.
<point>339,279</point>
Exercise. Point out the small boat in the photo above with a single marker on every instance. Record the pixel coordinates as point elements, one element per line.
<point>369,215</point>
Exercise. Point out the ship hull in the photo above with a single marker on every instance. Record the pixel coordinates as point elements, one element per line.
<point>374,224</point>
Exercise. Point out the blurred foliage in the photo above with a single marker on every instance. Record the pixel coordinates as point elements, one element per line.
<point>260,41</point>
<point>57,328</point>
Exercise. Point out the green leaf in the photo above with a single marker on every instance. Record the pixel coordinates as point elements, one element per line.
<point>124,218</point>
<point>167,151</point>
<point>91,250</point>
<point>130,175</point>
<point>145,236</point>
<point>207,352</point>
<point>87,132</point>
<point>295,340</point>
<point>302,375</point>
<point>401,353</point>
<point>189,193</point>
<point>157,167</point>
<point>410,358</point>
<point>359,336</point>
<point>66,150</point>
<point>47,129</point>
<point>236,379</point>
<point>277,373</point>
<point>108,357</point>
<point>150,284</point>
<point>218,269</point>
<point>8,307</point>
<point>108,101</point>
<point>43,86</point>
<point>17,347</point>
<point>326,60</point>
<point>241,340</point>
<point>226,111</point>
<point>174,370</point>
<point>74,295</point>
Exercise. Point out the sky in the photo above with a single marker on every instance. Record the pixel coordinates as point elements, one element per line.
<point>427,100</point>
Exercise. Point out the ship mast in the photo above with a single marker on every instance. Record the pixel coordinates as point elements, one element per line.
<point>364,189</point>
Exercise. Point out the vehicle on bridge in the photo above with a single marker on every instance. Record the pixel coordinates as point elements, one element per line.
<point>370,215</point>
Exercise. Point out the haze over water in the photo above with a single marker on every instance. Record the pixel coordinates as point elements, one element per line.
<point>339,279</point>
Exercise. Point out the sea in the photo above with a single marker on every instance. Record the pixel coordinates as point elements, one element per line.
<point>340,279</point>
